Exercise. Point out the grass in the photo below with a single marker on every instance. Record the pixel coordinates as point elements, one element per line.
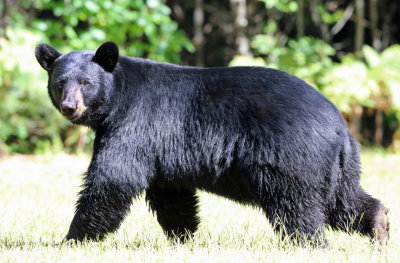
<point>38,193</point>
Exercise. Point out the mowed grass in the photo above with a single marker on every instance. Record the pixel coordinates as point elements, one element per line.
<point>38,194</point>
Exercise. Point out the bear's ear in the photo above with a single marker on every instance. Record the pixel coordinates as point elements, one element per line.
<point>46,55</point>
<point>107,56</point>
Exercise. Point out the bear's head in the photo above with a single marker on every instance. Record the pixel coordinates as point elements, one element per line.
<point>80,83</point>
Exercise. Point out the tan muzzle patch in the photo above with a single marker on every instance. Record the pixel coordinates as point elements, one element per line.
<point>80,107</point>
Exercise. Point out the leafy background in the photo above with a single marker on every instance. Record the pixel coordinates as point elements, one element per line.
<point>318,41</point>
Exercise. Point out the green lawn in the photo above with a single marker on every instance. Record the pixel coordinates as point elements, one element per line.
<point>38,194</point>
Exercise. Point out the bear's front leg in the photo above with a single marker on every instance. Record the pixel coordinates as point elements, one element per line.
<point>114,177</point>
<point>100,210</point>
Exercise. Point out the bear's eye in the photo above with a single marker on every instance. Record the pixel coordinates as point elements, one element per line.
<point>84,82</point>
<point>60,84</point>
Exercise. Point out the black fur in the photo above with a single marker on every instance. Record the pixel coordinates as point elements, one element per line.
<point>254,135</point>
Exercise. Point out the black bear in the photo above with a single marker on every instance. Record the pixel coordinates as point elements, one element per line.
<point>255,135</point>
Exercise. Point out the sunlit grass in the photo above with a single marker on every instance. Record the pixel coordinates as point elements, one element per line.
<point>38,194</point>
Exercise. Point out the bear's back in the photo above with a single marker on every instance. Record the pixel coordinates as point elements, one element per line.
<point>269,115</point>
<point>267,98</point>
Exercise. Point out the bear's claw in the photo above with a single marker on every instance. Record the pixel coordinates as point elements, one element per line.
<point>382,226</point>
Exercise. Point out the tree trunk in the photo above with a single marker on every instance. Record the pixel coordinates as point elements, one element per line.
<point>2,150</point>
<point>373,13</point>
<point>239,14</point>
<point>348,13</point>
<point>198,39</point>
<point>300,19</point>
<point>378,127</point>
<point>359,34</point>
<point>389,9</point>
<point>3,18</point>
<point>316,17</point>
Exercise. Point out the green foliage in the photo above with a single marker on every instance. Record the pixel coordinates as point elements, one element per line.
<point>307,58</point>
<point>384,70</point>
<point>29,123</point>
<point>144,28</point>
<point>330,18</point>
<point>348,85</point>
<point>246,61</point>
<point>286,6</point>
<point>25,112</point>
<point>375,84</point>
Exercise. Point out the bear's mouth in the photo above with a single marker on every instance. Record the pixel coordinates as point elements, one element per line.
<point>72,117</point>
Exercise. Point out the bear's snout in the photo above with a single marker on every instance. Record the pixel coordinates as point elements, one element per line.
<point>72,105</point>
<point>68,108</point>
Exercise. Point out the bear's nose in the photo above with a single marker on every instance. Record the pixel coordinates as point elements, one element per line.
<point>68,108</point>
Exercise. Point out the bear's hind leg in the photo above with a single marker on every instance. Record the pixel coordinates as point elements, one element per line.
<point>176,210</point>
<point>301,223</point>
<point>294,207</point>
<point>360,212</point>
<point>352,209</point>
